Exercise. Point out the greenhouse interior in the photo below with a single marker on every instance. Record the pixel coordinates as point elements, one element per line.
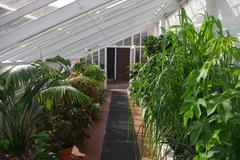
<point>119,79</point>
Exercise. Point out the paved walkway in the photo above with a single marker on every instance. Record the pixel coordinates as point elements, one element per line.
<point>120,139</point>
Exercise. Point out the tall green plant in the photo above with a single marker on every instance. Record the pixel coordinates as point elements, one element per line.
<point>187,69</point>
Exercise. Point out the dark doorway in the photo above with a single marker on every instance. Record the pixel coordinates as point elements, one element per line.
<point>110,63</point>
<point>123,62</point>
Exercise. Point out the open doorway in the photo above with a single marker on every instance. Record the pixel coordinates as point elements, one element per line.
<point>122,64</point>
<point>118,61</point>
<point>111,64</point>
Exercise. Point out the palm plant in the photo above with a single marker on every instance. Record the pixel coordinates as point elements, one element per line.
<point>25,89</point>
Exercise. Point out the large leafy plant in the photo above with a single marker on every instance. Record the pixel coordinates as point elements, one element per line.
<point>188,90</point>
<point>28,91</point>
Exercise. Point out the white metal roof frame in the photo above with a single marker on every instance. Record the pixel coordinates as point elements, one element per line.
<point>85,27</point>
<point>81,39</point>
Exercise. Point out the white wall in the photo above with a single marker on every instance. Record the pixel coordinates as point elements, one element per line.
<point>226,10</point>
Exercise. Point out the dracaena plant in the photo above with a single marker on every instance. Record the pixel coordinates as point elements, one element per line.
<point>188,90</point>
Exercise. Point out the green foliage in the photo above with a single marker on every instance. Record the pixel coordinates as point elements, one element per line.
<point>23,91</point>
<point>63,64</point>
<point>94,72</point>
<point>189,91</point>
<point>135,67</point>
<point>90,87</point>
<point>153,45</point>
<point>20,112</point>
<point>4,145</point>
<point>66,95</point>
<point>81,67</point>
<point>68,124</point>
<point>90,70</point>
<point>41,147</point>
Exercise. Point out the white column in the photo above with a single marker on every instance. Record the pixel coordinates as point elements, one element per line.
<point>99,58</point>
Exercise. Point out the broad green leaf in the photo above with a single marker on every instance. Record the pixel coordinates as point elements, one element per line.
<point>234,39</point>
<point>187,115</point>
<point>202,102</point>
<point>237,85</point>
<point>196,130</point>
<point>211,108</point>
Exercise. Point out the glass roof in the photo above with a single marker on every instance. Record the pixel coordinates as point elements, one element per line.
<point>12,5</point>
<point>99,22</point>
<point>8,6</point>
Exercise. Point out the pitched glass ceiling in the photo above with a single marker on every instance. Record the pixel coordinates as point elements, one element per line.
<point>44,31</point>
<point>8,6</point>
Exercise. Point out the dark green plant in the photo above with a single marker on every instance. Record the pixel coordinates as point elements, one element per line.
<point>94,72</point>
<point>81,66</point>
<point>4,145</point>
<point>68,124</point>
<point>24,88</point>
<point>42,148</point>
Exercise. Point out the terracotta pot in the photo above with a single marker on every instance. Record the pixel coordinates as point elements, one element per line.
<point>71,153</point>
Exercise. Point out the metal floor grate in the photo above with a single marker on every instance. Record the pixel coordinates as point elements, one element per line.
<point>120,139</point>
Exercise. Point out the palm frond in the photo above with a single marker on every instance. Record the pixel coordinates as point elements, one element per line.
<point>84,79</point>
<point>49,70</point>
<point>62,95</point>
<point>64,63</point>
<point>29,94</point>
<point>20,75</point>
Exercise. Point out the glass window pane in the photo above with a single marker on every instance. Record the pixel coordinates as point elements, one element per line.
<point>82,59</point>
<point>143,57</point>
<point>8,6</point>
<point>43,11</point>
<point>120,43</point>
<point>144,34</point>
<point>137,55</point>
<point>95,58</point>
<point>14,24</point>
<point>136,39</point>
<point>128,41</point>
<point>102,58</point>
<point>13,5</point>
<point>89,58</point>
<point>4,11</point>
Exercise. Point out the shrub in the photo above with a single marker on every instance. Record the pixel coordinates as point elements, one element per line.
<point>67,124</point>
